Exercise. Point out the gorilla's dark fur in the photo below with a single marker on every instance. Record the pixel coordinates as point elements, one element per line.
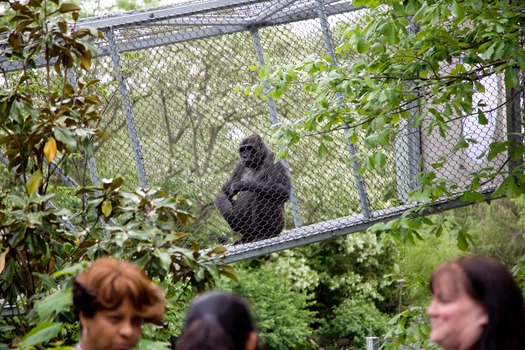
<point>262,187</point>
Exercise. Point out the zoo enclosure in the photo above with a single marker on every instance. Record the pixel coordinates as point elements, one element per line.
<point>172,81</point>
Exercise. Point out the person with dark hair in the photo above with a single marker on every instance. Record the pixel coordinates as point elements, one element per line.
<point>111,300</point>
<point>218,320</point>
<point>476,305</point>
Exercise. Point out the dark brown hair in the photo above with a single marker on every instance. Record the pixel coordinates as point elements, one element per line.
<point>216,320</point>
<point>491,284</point>
<point>108,282</point>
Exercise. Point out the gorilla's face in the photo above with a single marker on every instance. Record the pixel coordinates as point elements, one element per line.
<point>250,155</point>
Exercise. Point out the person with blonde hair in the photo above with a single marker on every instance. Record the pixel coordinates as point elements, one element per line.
<point>111,300</point>
<point>476,305</point>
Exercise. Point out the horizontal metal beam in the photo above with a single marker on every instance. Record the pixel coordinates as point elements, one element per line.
<point>206,32</point>
<point>329,229</point>
<point>156,14</point>
<point>220,27</point>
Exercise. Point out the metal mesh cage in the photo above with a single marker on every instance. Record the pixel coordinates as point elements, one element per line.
<point>171,80</point>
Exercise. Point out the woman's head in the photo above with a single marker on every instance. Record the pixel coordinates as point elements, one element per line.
<point>476,304</point>
<point>111,299</point>
<point>218,320</point>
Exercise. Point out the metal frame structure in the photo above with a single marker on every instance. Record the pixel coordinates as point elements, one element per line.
<point>191,17</point>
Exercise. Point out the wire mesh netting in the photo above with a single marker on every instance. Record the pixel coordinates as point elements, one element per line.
<point>172,82</point>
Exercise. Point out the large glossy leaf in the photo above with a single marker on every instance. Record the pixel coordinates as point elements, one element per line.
<point>68,7</point>
<point>41,333</point>
<point>107,208</point>
<point>50,149</point>
<point>34,182</point>
<point>54,303</point>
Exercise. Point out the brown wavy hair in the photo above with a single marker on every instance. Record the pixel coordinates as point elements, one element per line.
<point>108,282</point>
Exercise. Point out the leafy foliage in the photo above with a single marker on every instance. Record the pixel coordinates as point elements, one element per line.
<point>418,63</point>
<point>48,120</point>
<point>498,227</point>
<point>353,321</point>
<point>282,312</point>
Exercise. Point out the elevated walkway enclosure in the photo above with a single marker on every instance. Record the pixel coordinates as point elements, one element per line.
<point>172,81</point>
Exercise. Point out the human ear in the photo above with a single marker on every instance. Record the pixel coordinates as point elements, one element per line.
<point>81,319</point>
<point>483,319</point>
<point>251,342</point>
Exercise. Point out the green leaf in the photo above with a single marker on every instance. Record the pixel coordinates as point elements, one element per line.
<point>107,208</point>
<point>462,143</point>
<point>145,344</point>
<point>462,240</point>
<point>482,119</point>
<point>116,183</point>
<point>54,304</point>
<point>421,14</point>
<point>511,80</point>
<point>379,159</point>
<point>457,9</point>
<point>34,182</point>
<point>85,63</point>
<point>362,45</point>
<point>489,52</point>
<point>217,250</point>
<point>495,148</point>
<point>41,333</point>
<point>68,7</point>
<point>474,197</point>
<point>500,191</point>
<point>164,258</point>
<point>322,150</point>
<point>66,137</point>
<point>521,59</point>
<point>513,189</point>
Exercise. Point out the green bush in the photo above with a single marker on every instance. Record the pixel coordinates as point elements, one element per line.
<point>282,313</point>
<point>353,321</point>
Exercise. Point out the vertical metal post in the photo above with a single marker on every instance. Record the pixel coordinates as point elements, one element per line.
<point>93,173</point>
<point>408,148</point>
<point>128,111</point>
<point>273,117</point>
<point>514,123</point>
<point>360,184</point>
<point>372,343</point>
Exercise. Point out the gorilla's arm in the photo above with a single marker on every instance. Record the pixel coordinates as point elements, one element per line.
<point>224,204</point>
<point>275,185</point>
<point>224,199</point>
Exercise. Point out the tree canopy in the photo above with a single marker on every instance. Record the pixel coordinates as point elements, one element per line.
<point>417,62</point>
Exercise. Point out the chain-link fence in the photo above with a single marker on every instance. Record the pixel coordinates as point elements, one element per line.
<point>172,80</point>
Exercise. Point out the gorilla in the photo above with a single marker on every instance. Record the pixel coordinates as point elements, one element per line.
<point>262,187</point>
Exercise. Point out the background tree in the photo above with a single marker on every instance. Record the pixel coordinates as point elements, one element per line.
<point>48,120</point>
<point>421,63</point>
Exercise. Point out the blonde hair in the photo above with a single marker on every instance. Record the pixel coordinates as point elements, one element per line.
<point>108,282</point>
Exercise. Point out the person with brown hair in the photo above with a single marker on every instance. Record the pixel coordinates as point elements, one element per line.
<point>476,305</point>
<point>111,300</point>
<point>218,320</point>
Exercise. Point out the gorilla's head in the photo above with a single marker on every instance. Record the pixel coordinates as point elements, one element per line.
<point>252,151</point>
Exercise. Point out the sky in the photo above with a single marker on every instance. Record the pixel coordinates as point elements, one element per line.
<point>110,6</point>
